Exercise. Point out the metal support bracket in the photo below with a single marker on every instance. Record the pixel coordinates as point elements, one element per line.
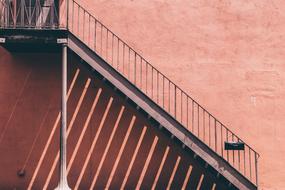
<point>2,40</point>
<point>61,41</point>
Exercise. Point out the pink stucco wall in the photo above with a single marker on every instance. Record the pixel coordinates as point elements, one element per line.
<point>229,55</point>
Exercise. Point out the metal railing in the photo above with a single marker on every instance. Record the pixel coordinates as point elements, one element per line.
<point>145,77</point>
<point>30,14</point>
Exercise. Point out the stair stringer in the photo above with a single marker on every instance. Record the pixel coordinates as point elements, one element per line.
<point>158,114</point>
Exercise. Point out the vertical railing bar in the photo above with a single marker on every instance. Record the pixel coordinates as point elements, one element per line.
<point>124,58</point>
<point>118,63</point>
<point>209,130</point>
<point>89,30</point>
<point>129,64</point>
<point>17,11</point>
<point>141,73</point>
<point>187,112</point>
<point>3,16</point>
<point>169,96</point>
<point>227,138</point>
<point>238,155</point>
<point>101,41</point>
<point>157,87</point>
<point>175,106</point>
<point>15,15</point>
<point>198,120</point>
<point>78,20</point>
<point>95,34</point>
<point>107,37</point>
<point>52,15</point>
<point>215,135</point>
<point>192,116</point>
<point>30,13</point>
<point>8,12</point>
<point>249,163</point>
<point>56,16</point>
<point>204,130</point>
<point>146,78</point>
<point>22,12</point>
<point>256,169</point>
<point>181,99</point>
<point>112,62</point>
<point>68,15</point>
<point>244,162</point>
<point>42,20</point>
<point>151,82</point>
<point>233,150</point>
<point>27,9</point>
<point>84,24</point>
<point>72,15</point>
<point>222,149</point>
<point>163,104</point>
<point>135,68</point>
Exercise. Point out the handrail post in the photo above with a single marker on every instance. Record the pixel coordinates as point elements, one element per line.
<point>6,14</point>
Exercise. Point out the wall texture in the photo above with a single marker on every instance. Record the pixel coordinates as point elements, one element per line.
<point>229,55</point>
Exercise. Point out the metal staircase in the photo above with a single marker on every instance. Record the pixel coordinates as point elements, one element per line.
<point>144,84</point>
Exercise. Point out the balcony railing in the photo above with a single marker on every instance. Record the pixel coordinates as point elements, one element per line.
<point>70,15</point>
<point>30,14</point>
